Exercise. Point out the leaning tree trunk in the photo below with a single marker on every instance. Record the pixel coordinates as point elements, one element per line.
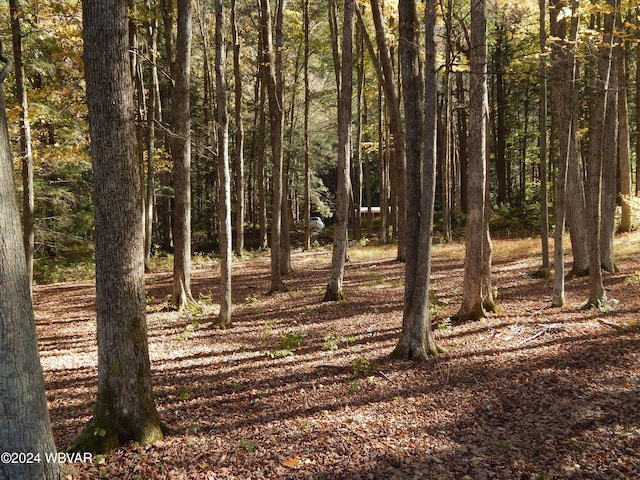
<point>416,339</point>
<point>125,408</point>
<point>24,423</point>
<point>472,302</point>
<point>340,236</point>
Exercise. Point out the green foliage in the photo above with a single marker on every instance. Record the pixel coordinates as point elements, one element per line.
<point>76,267</point>
<point>362,367</point>
<point>333,343</point>
<point>289,341</point>
<point>248,445</point>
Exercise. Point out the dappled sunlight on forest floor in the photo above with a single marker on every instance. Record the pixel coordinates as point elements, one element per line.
<point>302,389</point>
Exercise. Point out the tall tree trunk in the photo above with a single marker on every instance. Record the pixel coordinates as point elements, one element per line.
<point>472,307</point>
<point>610,168</point>
<point>463,137</point>
<point>24,423</point>
<point>153,116</point>
<point>542,137</point>
<point>125,408</point>
<point>397,148</point>
<point>416,338</point>
<point>307,102</point>
<point>239,135</point>
<point>28,195</point>
<point>224,180</point>
<point>340,236</point>
<point>597,293</point>
<point>501,133</point>
<point>260,166</point>
<point>624,143</point>
<point>181,152</point>
<point>276,117</point>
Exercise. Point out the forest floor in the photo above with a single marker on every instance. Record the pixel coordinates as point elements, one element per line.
<point>300,389</point>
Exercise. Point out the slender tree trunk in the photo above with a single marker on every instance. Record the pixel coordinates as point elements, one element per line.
<point>542,137</point>
<point>276,117</point>
<point>397,148</point>
<point>597,293</point>
<point>334,290</point>
<point>153,115</point>
<point>416,338</point>
<point>624,143</point>
<point>224,180</point>
<point>181,152</point>
<point>463,146</point>
<point>24,423</point>
<point>28,195</point>
<point>501,133</point>
<point>307,102</point>
<point>260,167</point>
<point>239,136</point>
<point>125,408</point>
<point>472,307</point>
<point>610,168</point>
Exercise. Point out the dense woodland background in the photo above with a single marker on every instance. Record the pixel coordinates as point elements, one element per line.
<point>147,132</point>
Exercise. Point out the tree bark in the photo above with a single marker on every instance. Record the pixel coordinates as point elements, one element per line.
<point>397,144</point>
<point>224,180</point>
<point>542,137</point>
<point>472,307</point>
<point>28,195</point>
<point>181,153</point>
<point>624,143</point>
<point>307,102</point>
<point>24,423</point>
<point>276,117</point>
<point>597,292</point>
<point>125,408</point>
<point>239,136</point>
<point>416,338</point>
<point>334,290</point>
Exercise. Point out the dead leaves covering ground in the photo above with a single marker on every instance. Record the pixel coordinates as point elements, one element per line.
<point>300,389</point>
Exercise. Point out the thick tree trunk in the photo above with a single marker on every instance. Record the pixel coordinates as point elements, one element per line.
<point>24,423</point>
<point>472,307</point>
<point>181,153</point>
<point>334,290</point>
<point>125,408</point>
<point>416,338</point>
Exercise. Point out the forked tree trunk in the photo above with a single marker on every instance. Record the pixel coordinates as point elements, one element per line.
<point>416,339</point>
<point>181,153</point>
<point>24,423</point>
<point>334,290</point>
<point>125,408</point>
